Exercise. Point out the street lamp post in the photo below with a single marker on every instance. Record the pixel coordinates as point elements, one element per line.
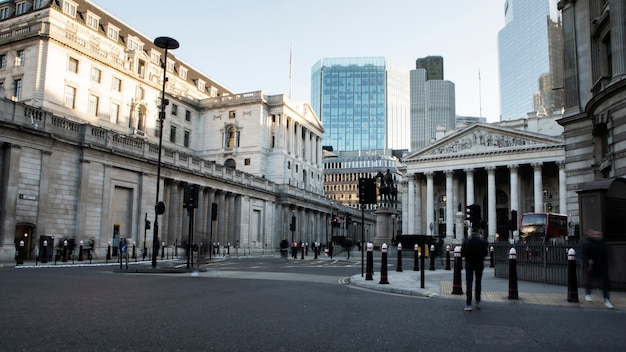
<point>165,43</point>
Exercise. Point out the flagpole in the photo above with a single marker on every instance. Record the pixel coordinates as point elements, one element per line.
<point>290,70</point>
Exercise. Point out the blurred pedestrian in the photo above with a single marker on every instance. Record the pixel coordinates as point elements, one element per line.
<point>474,250</point>
<point>595,257</point>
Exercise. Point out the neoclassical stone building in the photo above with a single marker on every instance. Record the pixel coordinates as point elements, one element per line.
<point>499,168</point>
<point>79,134</point>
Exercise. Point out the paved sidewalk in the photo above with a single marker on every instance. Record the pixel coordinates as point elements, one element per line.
<point>438,283</point>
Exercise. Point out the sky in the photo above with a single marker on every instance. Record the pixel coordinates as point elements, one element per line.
<point>251,45</point>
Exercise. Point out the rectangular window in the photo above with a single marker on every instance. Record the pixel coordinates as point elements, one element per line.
<point>116,84</point>
<point>70,97</point>
<point>174,109</point>
<point>187,115</point>
<point>93,21</point>
<point>183,73</point>
<point>113,32</point>
<point>155,57</point>
<point>4,13</point>
<point>69,8</point>
<point>72,65</point>
<point>20,8</point>
<point>96,75</point>
<point>231,114</point>
<point>173,134</point>
<point>19,58</point>
<point>186,139</point>
<point>246,161</point>
<point>3,61</point>
<point>115,113</point>
<point>170,66</point>
<point>39,4</point>
<point>94,101</point>
<point>17,93</point>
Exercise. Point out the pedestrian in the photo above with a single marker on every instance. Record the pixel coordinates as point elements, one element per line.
<point>474,250</point>
<point>595,258</point>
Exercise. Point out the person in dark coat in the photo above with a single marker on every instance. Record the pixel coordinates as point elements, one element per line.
<point>595,258</point>
<point>474,250</point>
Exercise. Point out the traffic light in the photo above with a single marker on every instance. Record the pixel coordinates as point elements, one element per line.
<point>348,219</point>
<point>367,191</point>
<point>335,221</point>
<point>292,226</point>
<point>472,214</point>
<point>190,199</point>
<point>159,208</point>
<point>147,224</point>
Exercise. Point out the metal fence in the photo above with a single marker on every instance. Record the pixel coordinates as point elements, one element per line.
<point>537,262</point>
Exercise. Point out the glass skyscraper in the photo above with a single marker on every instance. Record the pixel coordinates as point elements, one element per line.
<point>530,60</point>
<point>363,103</point>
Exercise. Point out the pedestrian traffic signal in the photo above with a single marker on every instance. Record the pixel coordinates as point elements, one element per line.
<point>473,215</point>
<point>147,224</point>
<point>367,191</point>
<point>348,219</point>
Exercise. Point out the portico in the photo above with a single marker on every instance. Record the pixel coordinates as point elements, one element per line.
<point>499,168</point>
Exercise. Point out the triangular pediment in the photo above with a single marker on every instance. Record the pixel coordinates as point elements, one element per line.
<point>483,138</point>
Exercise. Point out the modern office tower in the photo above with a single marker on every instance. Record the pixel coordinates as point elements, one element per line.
<point>530,58</point>
<point>432,101</point>
<point>363,103</point>
<point>433,66</point>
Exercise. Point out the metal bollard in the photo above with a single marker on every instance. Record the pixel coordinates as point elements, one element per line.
<point>399,266</point>
<point>457,284</point>
<point>572,282</point>
<point>80,251</point>
<point>369,271</point>
<point>416,258</point>
<point>162,250</point>
<point>491,264</point>
<point>108,251</point>
<point>432,258</point>
<point>383,265</point>
<point>64,259</point>
<point>44,259</point>
<point>134,255</point>
<point>20,251</point>
<point>447,257</point>
<point>513,294</point>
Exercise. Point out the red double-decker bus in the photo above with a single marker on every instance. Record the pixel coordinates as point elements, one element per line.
<point>543,227</point>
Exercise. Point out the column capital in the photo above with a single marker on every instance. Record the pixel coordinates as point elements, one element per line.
<point>429,174</point>
<point>561,164</point>
<point>469,171</point>
<point>448,172</point>
<point>513,167</point>
<point>490,169</point>
<point>536,165</point>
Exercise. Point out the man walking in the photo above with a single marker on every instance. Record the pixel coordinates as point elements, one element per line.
<point>474,250</point>
<point>595,257</point>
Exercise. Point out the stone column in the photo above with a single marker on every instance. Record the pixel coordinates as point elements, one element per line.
<point>491,206</point>
<point>430,203</point>
<point>538,187</point>
<point>469,191</point>
<point>562,188</point>
<point>419,214</point>
<point>514,180</point>
<point>618,46</point>
<point>449,203</point>
<point>410,218</point>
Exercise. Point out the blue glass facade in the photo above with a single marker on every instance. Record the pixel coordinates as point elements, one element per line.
<point>352,97</point>
<point>524,56</point>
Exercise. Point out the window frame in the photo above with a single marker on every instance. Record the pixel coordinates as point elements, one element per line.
<point>93,106</point>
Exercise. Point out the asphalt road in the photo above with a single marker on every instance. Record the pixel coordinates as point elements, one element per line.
<point>269,304</point>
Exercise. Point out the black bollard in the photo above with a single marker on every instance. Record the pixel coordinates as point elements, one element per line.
<point>447,258</point>
<point>20,253</point>
<point>432,258</point>
<point>383,265</point>
<point>416,257</point>
<point>108,251</point>
<point>513,294</point>
<point>369,271</point>
<point>64,259</point>
<point>457,284</point>
<point>399,266</point>
<point>301,252</point>
<point>228,248</point>
<point>491,264</point>
<point>572,282</point>
<point>134,255</point>
<point>315,249</point>
<point>162,250</point>
<point>44,259</point>
<point>80,251</point>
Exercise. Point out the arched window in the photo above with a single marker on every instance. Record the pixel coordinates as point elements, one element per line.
<point>230,163</point>
<point>231,137</point>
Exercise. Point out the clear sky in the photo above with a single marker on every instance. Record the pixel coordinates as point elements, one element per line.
<point>245,45</point>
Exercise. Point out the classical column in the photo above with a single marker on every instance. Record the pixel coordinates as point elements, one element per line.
<point>430,203</point>
<point>410,218</point>
<point>514,191</point>
<point>469,187</point>
<point>449,203</point>
<point>419,214</point>
<point>491,204</point>
<point>618,32</point>
<point>562,188</point>
<point>221,218</point>
<point>538,187</point>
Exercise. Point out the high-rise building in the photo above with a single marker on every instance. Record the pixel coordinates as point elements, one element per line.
<point>432,101</point>
<point>363,103</point>
<point>530,59</point>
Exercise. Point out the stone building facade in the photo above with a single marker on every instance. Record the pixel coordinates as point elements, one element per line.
<point>79,141</point>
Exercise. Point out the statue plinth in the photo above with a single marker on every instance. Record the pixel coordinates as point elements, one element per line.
<point>384,226</point>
